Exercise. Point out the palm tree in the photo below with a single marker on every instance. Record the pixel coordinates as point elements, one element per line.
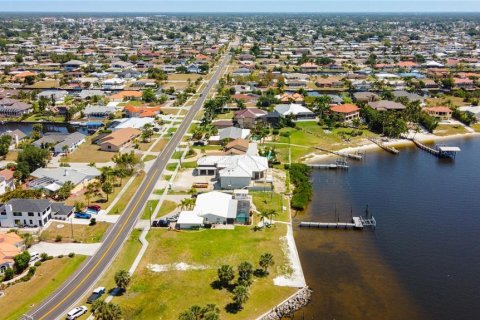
<point>264,215</point>
<point>106,311</point>
<point>266,261</point>
<point>122,279</point>
<point>240,295</point>
<point>272,213</point>
<point>225,274</point>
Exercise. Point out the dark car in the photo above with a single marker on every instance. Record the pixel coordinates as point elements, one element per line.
<point>160,223</point>
<point>95,207</point>
<point>96,294</point>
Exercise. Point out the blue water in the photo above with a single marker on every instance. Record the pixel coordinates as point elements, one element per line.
<point>423,260</point>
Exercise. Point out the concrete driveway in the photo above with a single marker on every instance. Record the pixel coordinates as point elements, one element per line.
<point>56,249</point>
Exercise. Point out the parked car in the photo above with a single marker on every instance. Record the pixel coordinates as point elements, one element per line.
<point>96,294</point>
<point>94,207</point>
<point>83,215</point>
<point>34,256</point>
<point>160,223</point>
<point>76,312</point>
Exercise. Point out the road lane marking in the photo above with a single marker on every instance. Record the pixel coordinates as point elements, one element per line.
<point>105,253</point>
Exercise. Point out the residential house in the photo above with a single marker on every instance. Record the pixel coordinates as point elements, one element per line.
<point>386,105</point>
<point>70,143</point>
<point>411,97</point>
<point>126,95</point>
<point>217,208</point>
<point>28,212</point>
<point>58,96</point>
<point>7,181</point>
<point>241,146</point>
<point>297,111</point>
<point>291,98</point>
<point>51,179</point>
<point>365,97</point>
<point>248,118</point>
<point>11,245</point>
<point>309,67</point>
<point>113,84</point>
<point>136,123</point>
<point>236,171</point>
<point>347,112</point>
<point>119,139</point>
<point>333,82</point>
<point>74,65</point>
<point>141,111</point>
<point>98,111</point>
<point>14,108</point>
<point>439,112</point>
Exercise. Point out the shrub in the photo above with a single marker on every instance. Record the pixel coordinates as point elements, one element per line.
<point>43,256</point>
<point>71,254</point>
<point>38,264</point>
<point>299,175</point>
<point>58,238</point>
<point>60,256</point>
<point>8,274</point>
<point>93,221</point>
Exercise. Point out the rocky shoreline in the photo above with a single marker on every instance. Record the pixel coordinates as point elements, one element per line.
<point>289,306</point>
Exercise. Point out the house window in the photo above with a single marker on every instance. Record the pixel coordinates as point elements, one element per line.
<point>31,214</point>
<point>17,214</point>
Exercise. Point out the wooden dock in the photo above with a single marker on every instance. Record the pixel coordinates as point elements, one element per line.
<point>440,152</point>
<point>346,155</point>
<point>358,223</point>
<point>339,164</point>
<point>382,145</point>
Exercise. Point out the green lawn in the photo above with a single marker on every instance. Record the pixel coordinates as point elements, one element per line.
<point>171,166</point>
<point>167,207</point>
<point>123,261</point>
<point>149,157</point>
<point>177,155</point>
<point>81,233</point>
<point>447,130</point>
<point>149,209</point>
<point>164,295</point>
<point>189,165</point>
<point>476,127</point>
<point>309,134</point>
<point>270,201</point>
<point>123,201</point>
<point>48,277</point>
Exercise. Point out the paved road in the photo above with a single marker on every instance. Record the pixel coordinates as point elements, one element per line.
<point>59,303</point>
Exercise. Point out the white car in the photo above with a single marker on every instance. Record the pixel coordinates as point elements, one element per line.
<point>76,312</point>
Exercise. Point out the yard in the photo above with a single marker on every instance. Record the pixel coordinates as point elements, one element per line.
<point>11,156</point>
<point>163,295</point>
<point>160,145</point>
<point>447,130</point>
<point>167,207</point>
<point>476,127</point>
<point>48,277</point>
<point>81,233</point>
<point>265,201</point>
<point>88,152</point>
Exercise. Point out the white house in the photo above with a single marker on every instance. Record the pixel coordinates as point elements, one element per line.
<point>234,171</point>
<point>217,208</point>
<point>297,111</point>
<point>114,84</point>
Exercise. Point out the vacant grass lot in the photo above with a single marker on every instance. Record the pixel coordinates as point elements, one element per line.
<point>447,130</point>
<point>310,134</point>
<point>81,233</point>
<point>183,77</point>
<point>49,276</point>
<point>89,152</point>
<point>167,207</point>
<point>446,101</point>
<point>164,295</point>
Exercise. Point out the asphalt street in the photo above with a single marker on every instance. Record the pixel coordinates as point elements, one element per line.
<point>61,301</point>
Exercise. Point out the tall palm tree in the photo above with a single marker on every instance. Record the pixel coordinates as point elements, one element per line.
<point>266,261</point>
<point>264,215</point>
<point>122,279</point>
<point>240,295</point>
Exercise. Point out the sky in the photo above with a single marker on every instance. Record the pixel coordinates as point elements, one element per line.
<point>289,6</point>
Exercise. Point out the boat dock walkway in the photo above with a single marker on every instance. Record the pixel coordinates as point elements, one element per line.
<point>382,145</point>
<point>358,223</point>
<point>355,156</point>
<point>339,164</point>
<point>440,152</point>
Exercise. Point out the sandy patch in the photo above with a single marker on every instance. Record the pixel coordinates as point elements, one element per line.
<point>296,278</point>
<point>181,266</point>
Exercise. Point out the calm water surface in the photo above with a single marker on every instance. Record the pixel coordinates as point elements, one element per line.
<point>422,262</point>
